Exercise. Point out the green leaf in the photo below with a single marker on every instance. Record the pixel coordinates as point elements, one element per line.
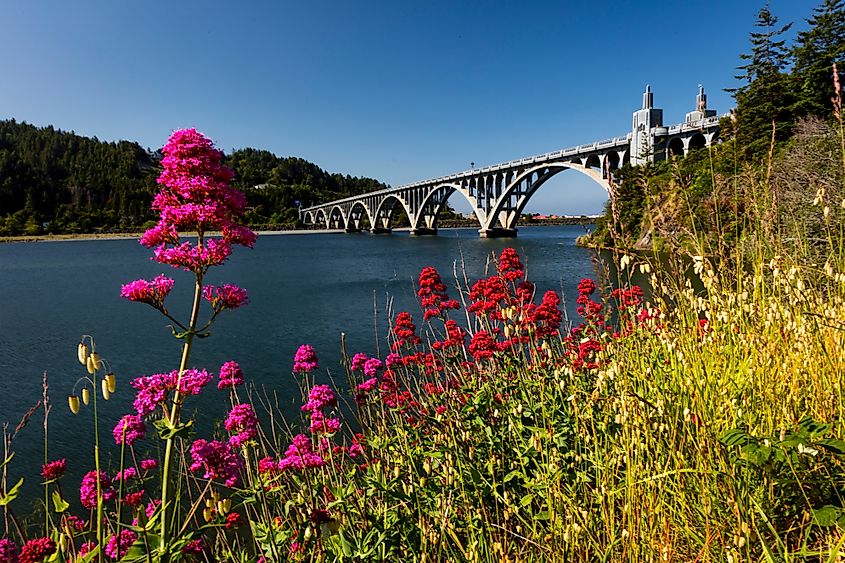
<point>12,494</point>
<point>166,431</point>
<point>833,445</point>
<point>756,454</point>
<point>827,515</point>
<point>810,426</point>
<point>59,504</point>
<point>7,460</point>
<point>736,437</point>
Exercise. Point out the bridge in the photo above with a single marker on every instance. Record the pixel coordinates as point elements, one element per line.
<point>499,193</point>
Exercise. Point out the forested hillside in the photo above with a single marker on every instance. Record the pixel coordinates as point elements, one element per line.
<point>53,181</point>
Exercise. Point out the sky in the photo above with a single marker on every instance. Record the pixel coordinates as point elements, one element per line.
<point>399,91</point>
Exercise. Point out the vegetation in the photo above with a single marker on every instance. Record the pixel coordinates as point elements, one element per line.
<point>784,127</point>
<point>57,182</point>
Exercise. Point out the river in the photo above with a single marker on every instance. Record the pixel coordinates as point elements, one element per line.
<point>303,289</point>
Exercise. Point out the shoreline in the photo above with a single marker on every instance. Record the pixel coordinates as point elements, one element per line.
<point>123,236</point>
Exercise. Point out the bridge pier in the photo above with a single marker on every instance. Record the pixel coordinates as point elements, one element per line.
<point>497,232</point>
<point>352,230</point>
<point>380,231</point>
<point>423,231</point>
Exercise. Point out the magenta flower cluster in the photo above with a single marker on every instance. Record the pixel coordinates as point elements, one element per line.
<point>305,359</point>
<point>243,422</point>
<point>224,297</point>
<point>231,376</point>
<point>153,390</point>
<point>300,455</point>
<point>88,490</point>
<point>119,544</point>
<point>151,292</point>
<point>196,196</point>
<point>217,459</point>
<point>129,430</point>
<point>321,396</point>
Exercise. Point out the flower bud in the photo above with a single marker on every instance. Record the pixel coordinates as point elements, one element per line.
<point>62,542</point>
<point>106,392</point>
<point>224,505</point>
<point>209,503</point>
<point>111,380</point>
<point>86,395</point>
<point>208,514</point>
<point>95,359</point>
<point>73,403</point>
<point>82,353</point>
<point>89,365</point>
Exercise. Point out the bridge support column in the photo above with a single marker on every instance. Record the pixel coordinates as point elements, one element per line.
<point>497,232</point>
<point>423,231</point>
<point>352,230</point>
<point>380,231</point>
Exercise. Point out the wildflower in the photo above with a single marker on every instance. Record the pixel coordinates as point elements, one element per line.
<point>358,361</point>
<point>73,403</point>
<point>372,367</point>
<point>322,425</point>
<point>268,465</point>
<point>432,292</point>
<point>8,551</point>
<point>88,489</point>
<point>482,345</point>
<point>225,297</point>
<point>86,548</point>
<point>300,455</point>
<point>405,331</point>
<point>243,422</point>
<point>546,316</point>
<point>218,460</point>
<point>392,359</point>
<point>133,499</point>
<point>367,385</point>
<point>53,470</point>
<point>509,265</point>
<point>233,520</point>
<point>148,464</point>
<point>36,550</point>
<point>321,396</point>
<point>231,376</point>
<point>73,523</point>
<point>150,292</point>
<point>194,547</point>
<point>305,359</point>
<point>119,544</point>
<point>126,474</point>
<point>151,507</point>
<point>129,430</point>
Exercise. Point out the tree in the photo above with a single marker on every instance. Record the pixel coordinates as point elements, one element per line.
<point>814,53</point>
<point>768,96</point>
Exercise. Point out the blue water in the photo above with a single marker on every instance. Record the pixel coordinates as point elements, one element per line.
<point>303,289</point>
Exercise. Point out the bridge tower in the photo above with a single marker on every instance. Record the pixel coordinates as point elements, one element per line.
<point>648,123</point>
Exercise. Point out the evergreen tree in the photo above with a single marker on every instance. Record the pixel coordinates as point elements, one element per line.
<point>814,53</point>
<point>768,97</point>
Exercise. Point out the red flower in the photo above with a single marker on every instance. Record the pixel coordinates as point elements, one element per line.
<point>54,469</point>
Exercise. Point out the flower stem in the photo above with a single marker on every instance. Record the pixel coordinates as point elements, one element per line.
<point>174,420</point>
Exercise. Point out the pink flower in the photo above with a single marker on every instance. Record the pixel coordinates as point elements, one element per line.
<point>193,547</point>
<point>372,367</point>
<point>8,551</point>
<point>368,385</point>
<point>218,460</point>
<point>35,551</point>
<point>320,396</point>
<point>52,470</point>
<point>119,544</point>
<point>243,422</point>
<point>322,425</point>
<point>300,455</point>
<point>88,490</point>
<point>305,359</point>
<point>126,474</point>
<point>129,430</point>
<point>225,297</point>
<point>154,390</point>
<point>358,361</point>
<point>231,376</point>
<point>86,548</point>
<point>151,507</point>
<point>148,464</point>
<point>151,292</point>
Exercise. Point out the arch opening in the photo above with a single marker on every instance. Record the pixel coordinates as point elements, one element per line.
<point>675,147</point>
<point>697,141</point>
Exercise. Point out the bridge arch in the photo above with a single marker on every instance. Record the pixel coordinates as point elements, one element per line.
<point>697,141</point>
<point>385,209</point>
<point>675,147</point>
<point>308,218</point>
<point>337,218</point>
<point>510,204</point>
<point>436,199</point>
<point>321,219</point>
<point>357,211</point>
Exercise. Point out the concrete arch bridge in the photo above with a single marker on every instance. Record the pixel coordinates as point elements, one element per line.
<point>498,194</point>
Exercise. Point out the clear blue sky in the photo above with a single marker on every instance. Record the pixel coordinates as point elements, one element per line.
<point>399,91</point>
